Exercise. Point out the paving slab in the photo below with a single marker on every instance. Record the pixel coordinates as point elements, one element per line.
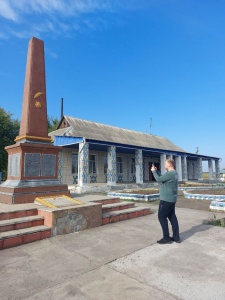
<point>107,283</point>
<point>120,261</point>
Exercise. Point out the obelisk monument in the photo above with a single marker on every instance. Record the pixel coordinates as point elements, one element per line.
<point>34,124</point>
<point>33,160</point>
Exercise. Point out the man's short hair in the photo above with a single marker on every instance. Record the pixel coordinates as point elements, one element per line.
<point>171,161</point>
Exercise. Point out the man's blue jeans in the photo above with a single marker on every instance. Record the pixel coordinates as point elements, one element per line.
<point>167,211</point>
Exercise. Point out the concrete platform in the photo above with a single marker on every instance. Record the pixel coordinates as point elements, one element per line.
<point>57,201</point>
<point>120,261</point>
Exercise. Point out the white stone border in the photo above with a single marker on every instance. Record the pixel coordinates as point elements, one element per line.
<point>204,196</point>
<point>206,187</point>
<point>217,206</point>
<point>137,197</point>
<point>217,201</point>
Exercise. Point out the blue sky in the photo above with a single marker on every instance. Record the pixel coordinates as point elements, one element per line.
<point>126,63</point>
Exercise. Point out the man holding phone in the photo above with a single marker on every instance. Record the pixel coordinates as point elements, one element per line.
<point>168,184</point>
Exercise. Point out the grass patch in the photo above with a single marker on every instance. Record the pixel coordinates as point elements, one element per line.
<point>128,200</point>
<point>216,222</point>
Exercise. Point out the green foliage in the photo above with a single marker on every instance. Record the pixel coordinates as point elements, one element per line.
<point>52,124</point>
<point>9,129</point>
<point>217,222</point>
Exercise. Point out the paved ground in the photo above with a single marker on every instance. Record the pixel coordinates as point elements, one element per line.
<point>120,261</point>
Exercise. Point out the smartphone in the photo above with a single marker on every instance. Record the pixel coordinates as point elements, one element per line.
<point>153,164</point>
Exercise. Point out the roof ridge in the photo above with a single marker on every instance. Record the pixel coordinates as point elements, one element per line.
<point>120,128</point>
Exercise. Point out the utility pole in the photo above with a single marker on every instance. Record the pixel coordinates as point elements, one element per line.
<point>61,108</point>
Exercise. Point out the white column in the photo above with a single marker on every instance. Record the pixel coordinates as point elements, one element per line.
<point>190,168</point>
<point>139,166</point>
<point>195,171</point>
<point>162,163</point>
<point>217,167</point>
<point>210,167</point>
<point>184,168</point>
<point>111,172</point>
<point>83,164</point>
<point>199,169</point>
<point>178,167</point>
<point>60,166</point>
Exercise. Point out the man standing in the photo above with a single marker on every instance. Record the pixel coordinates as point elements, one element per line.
<point>168,184</point>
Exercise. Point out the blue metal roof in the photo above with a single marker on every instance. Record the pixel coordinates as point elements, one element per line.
<point>67,140</point>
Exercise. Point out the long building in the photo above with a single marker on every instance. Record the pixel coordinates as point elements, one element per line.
<point>98,153</point>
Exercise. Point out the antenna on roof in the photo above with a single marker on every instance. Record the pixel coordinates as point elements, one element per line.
<point>61,108</point>
<point>150,125</point>
<point>196,150</point>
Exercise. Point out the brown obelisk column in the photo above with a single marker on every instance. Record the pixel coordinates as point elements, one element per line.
<point>34,124</point>
<point>33,160</point>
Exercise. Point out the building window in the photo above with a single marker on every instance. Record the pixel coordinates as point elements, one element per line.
<point>119,165</point>
<point>105,162</point>
<point>133,169</point>
<point>92,164</point>
<point>74,163</point>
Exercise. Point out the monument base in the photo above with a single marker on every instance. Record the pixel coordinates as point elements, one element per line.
<point>72,219</point>
<point>25,191</point>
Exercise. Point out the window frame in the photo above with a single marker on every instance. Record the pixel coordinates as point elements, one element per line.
<point>74,164</point>
<point>92,164</point>
<point>119,165</point>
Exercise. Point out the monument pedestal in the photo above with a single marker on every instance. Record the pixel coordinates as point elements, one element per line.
<point>32,172</point>
<point>33,160</point>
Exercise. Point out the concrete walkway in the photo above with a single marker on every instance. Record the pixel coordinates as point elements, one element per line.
<point>120,261</point>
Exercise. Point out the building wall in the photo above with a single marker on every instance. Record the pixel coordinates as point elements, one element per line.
<point>68,178</point>
<point>66,166</point>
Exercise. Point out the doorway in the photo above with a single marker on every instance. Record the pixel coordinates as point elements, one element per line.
<point>151,177</point>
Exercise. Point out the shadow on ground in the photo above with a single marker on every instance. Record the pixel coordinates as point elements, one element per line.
<point>193,230</point>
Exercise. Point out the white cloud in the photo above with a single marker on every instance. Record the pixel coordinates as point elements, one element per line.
<point>25,33</point>
<point>50,53</point>
<point>25,17</point>
<point>11,9</point>
<point>7,11</point>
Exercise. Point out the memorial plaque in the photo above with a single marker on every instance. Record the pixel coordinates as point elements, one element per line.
<point>48,166</point>
<point>32,164</point>
<point>14,164</point>
<point>57,201</point>
<point>10,165</point>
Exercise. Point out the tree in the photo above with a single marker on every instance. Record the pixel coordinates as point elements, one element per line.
<point>9,129</point>
<point>52,124</point>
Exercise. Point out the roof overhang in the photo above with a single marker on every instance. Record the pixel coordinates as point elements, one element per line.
<point>67,141</point>
<point>96,145</point>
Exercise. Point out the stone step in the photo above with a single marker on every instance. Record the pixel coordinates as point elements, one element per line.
<point>19,223</point>
<point>117,206</point>
<point>108,201</point>
<point>18,237</point>
<point>20,213</point>
<point>125,214</point>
